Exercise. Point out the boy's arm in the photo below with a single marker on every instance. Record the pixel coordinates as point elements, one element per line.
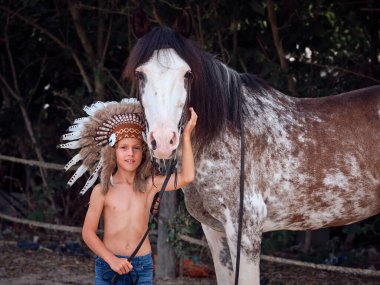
<point>187,174</point>
<point>90,226</point>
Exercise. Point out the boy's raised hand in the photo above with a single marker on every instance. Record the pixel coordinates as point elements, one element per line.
<point>191,123</point>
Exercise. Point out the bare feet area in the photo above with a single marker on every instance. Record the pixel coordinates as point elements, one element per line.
<point>23,263</point>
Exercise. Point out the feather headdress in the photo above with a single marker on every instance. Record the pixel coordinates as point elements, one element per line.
<point>95,136</point>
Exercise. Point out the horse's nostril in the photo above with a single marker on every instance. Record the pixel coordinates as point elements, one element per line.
<point>171,141</point>
<point>154,144</point>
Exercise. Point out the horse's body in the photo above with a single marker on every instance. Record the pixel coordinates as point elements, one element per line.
<point>309,163</point>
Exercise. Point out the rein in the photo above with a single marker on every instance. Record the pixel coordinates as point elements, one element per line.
<point>241,202</point>
<point>154,210</point>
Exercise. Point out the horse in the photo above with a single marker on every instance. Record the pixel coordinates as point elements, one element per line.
<point>310,163</point>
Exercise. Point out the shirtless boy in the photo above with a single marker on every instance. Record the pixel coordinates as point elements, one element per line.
<point>126,209</point>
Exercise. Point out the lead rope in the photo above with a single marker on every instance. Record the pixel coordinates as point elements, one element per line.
<point>241,203</point>
<point>154,210</point>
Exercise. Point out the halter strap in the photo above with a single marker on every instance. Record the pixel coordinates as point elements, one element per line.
<point>241,202</point>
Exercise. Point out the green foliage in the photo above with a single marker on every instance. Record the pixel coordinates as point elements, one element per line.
<point>277,241</point>
<point>357,229</point>
<point>184,224</point>
<point>42,209</point>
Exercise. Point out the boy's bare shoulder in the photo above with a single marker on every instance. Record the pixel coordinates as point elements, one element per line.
<point>98,191</point>
<point>97,188</point>
<point>97,198</point>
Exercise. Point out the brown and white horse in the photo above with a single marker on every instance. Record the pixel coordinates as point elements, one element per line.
<point>310,163</point>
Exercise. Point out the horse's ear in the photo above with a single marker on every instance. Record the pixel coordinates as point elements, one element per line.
<point>183,24</point>
<point>141,23</point>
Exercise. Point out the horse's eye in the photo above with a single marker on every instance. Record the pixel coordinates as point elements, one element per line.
<point>139,75</point>
<point>188,75</point>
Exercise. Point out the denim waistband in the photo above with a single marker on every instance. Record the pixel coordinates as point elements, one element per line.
<point>137,259</point>
<point>141,258</point>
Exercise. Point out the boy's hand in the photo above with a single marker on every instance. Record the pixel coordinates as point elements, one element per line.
<point>191,123</point>
<point>120,265</point>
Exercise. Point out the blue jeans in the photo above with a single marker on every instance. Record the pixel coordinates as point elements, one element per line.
<point>142,266</point>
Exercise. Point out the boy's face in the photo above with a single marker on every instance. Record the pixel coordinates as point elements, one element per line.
<point>129,153</point>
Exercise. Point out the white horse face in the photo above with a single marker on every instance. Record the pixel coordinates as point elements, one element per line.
<point>163,80</point>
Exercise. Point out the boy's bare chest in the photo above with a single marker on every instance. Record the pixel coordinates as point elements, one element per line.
<point>119,202</point>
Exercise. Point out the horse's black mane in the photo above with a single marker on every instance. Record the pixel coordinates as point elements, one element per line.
<point>215,88</point>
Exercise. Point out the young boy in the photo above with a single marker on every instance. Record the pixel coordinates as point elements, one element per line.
<point>125,206</point>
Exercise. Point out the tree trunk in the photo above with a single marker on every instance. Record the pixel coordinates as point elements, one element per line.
<point>166,259</point>
<point>280,50</point>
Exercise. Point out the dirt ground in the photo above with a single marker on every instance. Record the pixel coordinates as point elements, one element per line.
<point>40,267</point>
<point>73,265</point>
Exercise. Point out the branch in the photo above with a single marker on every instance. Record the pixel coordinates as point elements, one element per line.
<point>155,15</point>
<point>279,47</point>
<point>29,162</point>
<point>222,49</point>
<point>121,89</point>
<point>42,225</point>
<point>57,41</point>
<point>10,90</point>
<point>366,272</point>
<point>74,11</point>
<point>106,11</point>
<point>347,270</point>
<point>193,240</point>
<point>343,70</point>
<point>102,52</point>
<point>200,26</point>
<point>10,57</point>
<point>170,4</point>
<point>130,33</point>
<point>28,125</point>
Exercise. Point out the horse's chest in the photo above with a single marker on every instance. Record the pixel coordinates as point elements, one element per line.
<point>216,186</point>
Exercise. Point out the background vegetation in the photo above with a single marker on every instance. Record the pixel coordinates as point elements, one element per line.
<point>57,56</point>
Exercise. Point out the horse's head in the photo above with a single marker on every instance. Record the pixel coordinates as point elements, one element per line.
<point>162,78</point>
<point>171,72</point>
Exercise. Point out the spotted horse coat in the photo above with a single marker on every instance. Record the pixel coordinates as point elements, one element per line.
<point>309,164</point>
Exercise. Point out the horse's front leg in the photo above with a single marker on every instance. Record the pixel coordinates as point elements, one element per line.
<point>254,215</point>
<point>220,254</point>
<point>249,268</point>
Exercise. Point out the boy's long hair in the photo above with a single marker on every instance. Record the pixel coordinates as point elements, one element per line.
<point>143,171</point>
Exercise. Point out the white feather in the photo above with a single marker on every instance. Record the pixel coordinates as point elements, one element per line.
<point>80,120</point>
<point>75,128</point>
<point>70,145</point>
<point>91,180</point>
<point>90,110</point>
<point>71,136</point>
<point>129,101</point>
<point>80,171</point>
<point>73,161</point>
